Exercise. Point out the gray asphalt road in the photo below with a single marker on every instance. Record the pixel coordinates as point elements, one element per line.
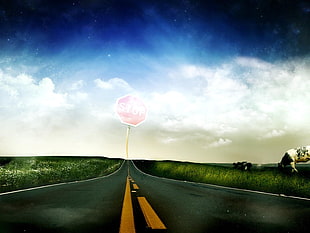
<point>91,206</point>
<point>188,207</point>
<point>95,206</point>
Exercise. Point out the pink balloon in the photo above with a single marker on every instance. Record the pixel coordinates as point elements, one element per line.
<point>131,110</point>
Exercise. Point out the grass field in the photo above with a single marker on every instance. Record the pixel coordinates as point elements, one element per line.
<point>265,178</point>
<point>24,172</point>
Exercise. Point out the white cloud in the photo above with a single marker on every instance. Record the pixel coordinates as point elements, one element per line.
<point>169,140</point>
<point>189,71</point>
<point>253,63</point>
<point>77,85</point>
<point>47,96</point>
<point>246,98</point>
<point>171,102</point>
<point>24,92</point>
<point>274,133</point>
<point>265,93</point>
<point>113,83</point>
<point>38,118</point>
<point>78,97</point>
<point>220,142</point>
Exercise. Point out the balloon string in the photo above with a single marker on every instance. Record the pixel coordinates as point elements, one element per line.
<point>127,136</point>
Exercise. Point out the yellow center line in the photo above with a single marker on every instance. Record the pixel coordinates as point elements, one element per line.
<point>152,219</point>
<point>127,219</point>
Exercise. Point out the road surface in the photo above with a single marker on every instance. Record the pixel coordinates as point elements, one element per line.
<point>183,207</point>
<point>191,207</point>
<point>91,206</point>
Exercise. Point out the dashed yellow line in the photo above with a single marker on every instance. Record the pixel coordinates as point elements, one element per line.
<point>152,219</point>
<point>135,186</point>
<point>127,219</point>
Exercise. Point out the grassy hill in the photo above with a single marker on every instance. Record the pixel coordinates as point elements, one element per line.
<point>266,178</point>
<point>24,172</point>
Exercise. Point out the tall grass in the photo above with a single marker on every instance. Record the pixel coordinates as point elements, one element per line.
<point>267,180</point>
<point>21,172</point>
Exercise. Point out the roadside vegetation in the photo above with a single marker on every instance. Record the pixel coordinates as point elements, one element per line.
<point>25,172</point>
<point>259,178</point>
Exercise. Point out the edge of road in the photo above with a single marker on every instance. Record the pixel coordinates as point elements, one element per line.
<point>223,187</point>
<point>62,183</point>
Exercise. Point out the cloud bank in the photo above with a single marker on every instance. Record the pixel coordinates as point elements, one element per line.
<point>244,108</point>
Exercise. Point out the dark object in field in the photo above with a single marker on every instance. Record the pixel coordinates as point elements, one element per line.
<point>244,165</point>
<point>4,161</point>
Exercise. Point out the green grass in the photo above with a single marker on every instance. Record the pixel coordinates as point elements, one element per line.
<point>267,180</point>
<point>24,172</point>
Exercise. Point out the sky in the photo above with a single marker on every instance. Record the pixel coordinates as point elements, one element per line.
<point>223,81</point>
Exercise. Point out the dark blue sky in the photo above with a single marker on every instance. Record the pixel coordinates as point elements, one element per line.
<point>263,28</point>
